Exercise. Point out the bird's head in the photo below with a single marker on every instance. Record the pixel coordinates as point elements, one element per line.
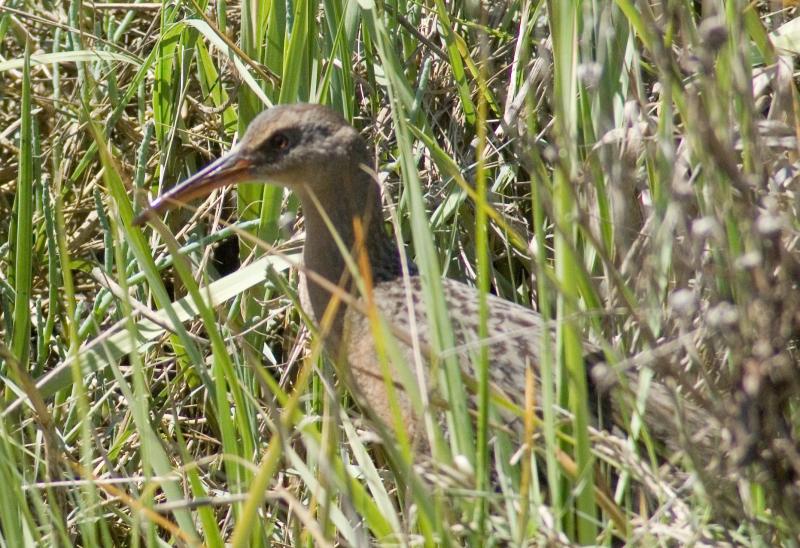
<point>295,146</point>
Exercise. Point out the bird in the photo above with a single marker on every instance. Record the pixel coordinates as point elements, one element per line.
<point>313,151</point>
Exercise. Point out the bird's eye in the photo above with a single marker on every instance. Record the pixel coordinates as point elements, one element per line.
<point>279,141</point>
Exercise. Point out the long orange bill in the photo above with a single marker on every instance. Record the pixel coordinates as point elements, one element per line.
<point>228,170</point>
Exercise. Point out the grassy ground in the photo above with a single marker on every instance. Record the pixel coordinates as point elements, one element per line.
<point>627,168</point>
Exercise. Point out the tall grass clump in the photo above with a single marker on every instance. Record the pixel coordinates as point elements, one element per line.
<point>629,169</point>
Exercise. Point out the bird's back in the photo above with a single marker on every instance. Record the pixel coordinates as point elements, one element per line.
<point>513,343</point>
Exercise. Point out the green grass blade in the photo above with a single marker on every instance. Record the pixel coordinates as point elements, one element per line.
<point>23,233</point>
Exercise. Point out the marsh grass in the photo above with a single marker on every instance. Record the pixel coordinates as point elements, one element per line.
<point>628,169</point>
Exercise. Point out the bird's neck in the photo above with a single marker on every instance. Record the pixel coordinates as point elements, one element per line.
<point>345,203</point>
